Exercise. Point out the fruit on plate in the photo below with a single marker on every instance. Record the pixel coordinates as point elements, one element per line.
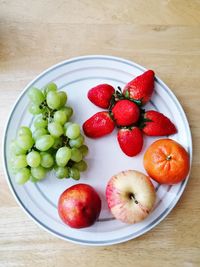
<point>130,141</point>
<point>125,113</point>
<point>98,125</point>
<point>141,88</point>
<point>101,95</point>
<point>54,142</point>
<point>157,124</point>
<point>124,108</point>
<point>166,161</point>
<point>130,196</point>
<point>79,206</point>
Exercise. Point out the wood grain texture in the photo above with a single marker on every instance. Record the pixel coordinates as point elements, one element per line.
<point>162,35</point>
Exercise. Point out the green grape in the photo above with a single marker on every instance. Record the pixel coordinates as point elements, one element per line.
<point>84,150</point>
<point>36,96</point>
<point>40,122</point>
<point>62,172</point>
<point>66,125</point>
<point>48,139</point>
<point>39,132</point>
<point>22,176</point>
<point>44,142</point>
<point>38,172</point>
<point>63,98</point>
<point>76,155</point>
<point>63,155</point>
<point>33,159</point>
<point>25,141</point>
<point>60,117</point>
<point>47,160</point>
<point>16,149</point>
<point>78,142</point>
<point>23,130</point>
<point>33,179</point>
<point>57,143</point>
<point>53,100</point>
<point>50,87</point>
<point>19,162</point>
<point>55,129</point>
<point>68,111</point>
<point>73,131</point>
<point>74,173</point>
<point>34,109</point>
<point>81,166</point>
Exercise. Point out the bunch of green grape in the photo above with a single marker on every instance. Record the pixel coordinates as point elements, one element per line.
<point>54,142</point>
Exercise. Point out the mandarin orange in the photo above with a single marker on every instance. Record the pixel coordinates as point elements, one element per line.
<point>166,161</point>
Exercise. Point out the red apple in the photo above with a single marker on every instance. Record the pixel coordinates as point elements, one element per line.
<point>130,196</point>
<point>79,206</point>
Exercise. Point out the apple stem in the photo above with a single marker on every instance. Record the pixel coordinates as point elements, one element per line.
<point>132,196</point>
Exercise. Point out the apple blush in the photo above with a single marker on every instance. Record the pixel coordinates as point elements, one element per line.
<point>130,196</point>
<point>79,206</point>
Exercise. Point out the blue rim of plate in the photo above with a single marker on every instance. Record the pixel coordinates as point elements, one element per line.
<point>130,236</point>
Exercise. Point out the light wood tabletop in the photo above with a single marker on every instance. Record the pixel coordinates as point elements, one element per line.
<point>161,35</point>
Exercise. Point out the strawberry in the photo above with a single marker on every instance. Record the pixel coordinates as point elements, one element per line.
<point>98,125</point>
<point>130,141</point>
<point>157,124</point>
<point>101,95</point>
<point>140,88</point>
<point>125,112</point>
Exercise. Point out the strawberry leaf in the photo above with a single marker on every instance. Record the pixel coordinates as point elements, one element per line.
<point>111,115</point>
<point>112,103</point>
<point>147,120</point>
<point>127,94</point>
<point>119,89</point>
<point>142,122</point>
<point>137,102</point>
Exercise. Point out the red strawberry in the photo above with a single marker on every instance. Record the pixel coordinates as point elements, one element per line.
<point>98,125</point>
<point>125,112</point>
<point>157,124</point>
<point>101,95</point>
<point>141,88</point>
<point>130,141</point>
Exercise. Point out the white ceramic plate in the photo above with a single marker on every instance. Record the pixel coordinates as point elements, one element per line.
<point>76,76</point>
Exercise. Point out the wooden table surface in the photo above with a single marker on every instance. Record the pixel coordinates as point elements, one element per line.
<point>161,35</point>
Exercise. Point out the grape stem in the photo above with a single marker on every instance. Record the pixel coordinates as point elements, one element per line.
<point>47,111</point>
